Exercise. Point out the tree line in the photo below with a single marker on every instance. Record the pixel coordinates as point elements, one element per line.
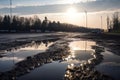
<point>34,24</point>
<point>113,25</point>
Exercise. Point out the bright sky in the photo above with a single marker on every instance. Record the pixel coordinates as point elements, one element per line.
<point>70,11</point>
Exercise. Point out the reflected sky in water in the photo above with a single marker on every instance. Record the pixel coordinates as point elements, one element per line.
<point>56,70</point>
<point>111,57</point>
<point>6,62</point>
<point>51,71</point>
<point>81,51</point>
<point>81,45</point>
<point>110,65</point>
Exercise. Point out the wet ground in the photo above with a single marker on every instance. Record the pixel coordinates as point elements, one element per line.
<point>13,56</point>
<point>57,57</point>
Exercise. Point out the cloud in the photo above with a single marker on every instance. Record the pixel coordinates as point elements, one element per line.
<point>92,6</point>
<point>101,5</point>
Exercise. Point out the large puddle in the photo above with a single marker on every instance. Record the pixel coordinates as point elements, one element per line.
<point>110,65</point>
<point>51,71</point>
<point>81,53</point>
<point>16,55</point>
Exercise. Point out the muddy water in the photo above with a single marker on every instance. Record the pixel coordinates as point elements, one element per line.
<point>56,70</point>
<point>81,51</point>
<point>15,55</point>
<point>51,71</point>
<point>110,65</point>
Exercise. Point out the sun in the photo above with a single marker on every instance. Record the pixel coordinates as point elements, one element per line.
<point>71,13</point>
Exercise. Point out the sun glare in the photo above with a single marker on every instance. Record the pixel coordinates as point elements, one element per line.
<point>71,13</point>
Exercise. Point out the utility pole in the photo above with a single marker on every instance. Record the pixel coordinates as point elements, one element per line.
<point>10,11</point>
<point>86,18</point>
<point>13,77</point>
<point>101,23</point>
<point>108,23</point>
<point>86,28</point>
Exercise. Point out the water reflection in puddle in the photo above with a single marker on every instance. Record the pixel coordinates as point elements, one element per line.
<point>81,45</point>
<point>51,71</point>
<point>82,55</point>
<point>16,55</point>
<point>56,69</point>
<point>110,65</point>
<point>110,57</point>
<point>80,52</point>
